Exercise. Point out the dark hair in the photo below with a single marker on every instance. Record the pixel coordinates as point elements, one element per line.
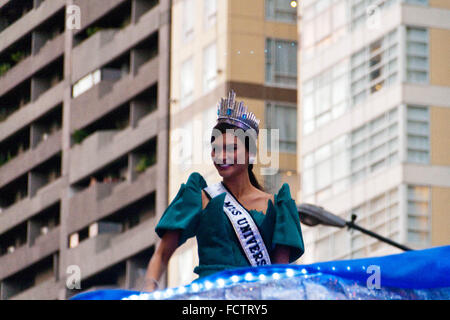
<point>222,127</point>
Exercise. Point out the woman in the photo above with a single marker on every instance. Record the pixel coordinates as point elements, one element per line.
<point>225,243</point>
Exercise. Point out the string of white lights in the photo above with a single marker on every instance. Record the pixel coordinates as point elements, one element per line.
<point>262,276</point>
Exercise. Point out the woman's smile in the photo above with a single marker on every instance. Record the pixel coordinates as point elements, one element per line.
<point>224,166</point>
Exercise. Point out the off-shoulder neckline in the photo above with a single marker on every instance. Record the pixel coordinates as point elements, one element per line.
<point>262,212</point>
<point>281,191</point>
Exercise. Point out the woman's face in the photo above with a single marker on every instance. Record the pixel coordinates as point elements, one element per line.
<point>229,155</point>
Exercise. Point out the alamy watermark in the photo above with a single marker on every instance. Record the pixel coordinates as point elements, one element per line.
<point>183,144</point>
<point>73,17</point>
<point>73,280</point>
<point>374,281</point>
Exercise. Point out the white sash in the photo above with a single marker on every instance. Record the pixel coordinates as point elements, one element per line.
<point>244,226</point>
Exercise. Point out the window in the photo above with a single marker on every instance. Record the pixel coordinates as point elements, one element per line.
<point>351,157</point>
<point>185,264</point>
<point>325,97</point>
<point>380,214</point>
<point>418,199</point>
<point>417,55</point>
<point>281,10</point>
<point>74,240</point>
<point>362,10</point>
<point>323,167</point>
<point>87,82</point>
<point>187,82</point>
<point>340,164</point>
<point>308,185</point>
<point>186,151</point>
<point>210,10</point>
<point>307,107</point>
<point>317,173</point>
<point>283,118</point>
<point>418,134</point>
<point>339,14</point>
<point>324,22</point>
<point>209,68</point>
<point>374,145</point>
<point>209,118</point>
<point>419,2</point>
<point>374,67</point>
<point>281,62</point>
<point>188,20</point>
<point>330,94</point>
<point>358,13</point>
<point>93,230</point>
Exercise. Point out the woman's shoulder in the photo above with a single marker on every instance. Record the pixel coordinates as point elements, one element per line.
<point>196,180</point>
<point>195,176</point>
<point>265,195</point>
<point>284,193</point>
<point>280,199</point>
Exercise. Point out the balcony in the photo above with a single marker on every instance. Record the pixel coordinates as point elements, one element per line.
<point>111,43</point>
<point>4,2</point>
<point>114,248</point>
<point>48,290</point>
<point>23,210</point>
<point>87,201</point>
<point>10,13</point>
<point>30,21</point>
<point>95,10</point>
<point>25,256</point>
<point>101,200</point>
<point>30,112</point>
<point>31,158</point>
<point>107,95</point>
<point>25,281</point>
<point>103,147</point>
<point>85,156</point>
<point>33,63</point>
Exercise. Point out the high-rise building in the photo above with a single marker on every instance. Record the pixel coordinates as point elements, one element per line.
<point>247,46</point>
<point>84,96</point>
<point>375,122</point>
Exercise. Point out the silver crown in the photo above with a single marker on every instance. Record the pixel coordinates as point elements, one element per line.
<point>231,111</point>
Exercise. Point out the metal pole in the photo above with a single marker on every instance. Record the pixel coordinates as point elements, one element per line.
<point>352,225</point>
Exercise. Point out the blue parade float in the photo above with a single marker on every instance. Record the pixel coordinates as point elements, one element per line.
<point>412,275</point>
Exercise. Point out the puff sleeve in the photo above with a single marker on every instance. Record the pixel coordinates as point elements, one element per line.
<point>183,213</point>
<point>287,230</point>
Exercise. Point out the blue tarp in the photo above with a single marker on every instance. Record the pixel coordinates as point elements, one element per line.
<point>421,274</point>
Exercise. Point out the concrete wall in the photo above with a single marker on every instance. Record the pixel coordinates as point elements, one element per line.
<point>440,220</point>
<point>30,21</point>
<point>29,159</point>
<point>440,136</point>
<point>439,56</point>
<point>76,163</point>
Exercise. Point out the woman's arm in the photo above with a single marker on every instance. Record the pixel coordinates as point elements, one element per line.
<point>158,262</point>
<point>165,249</point>
<point>281,254</point>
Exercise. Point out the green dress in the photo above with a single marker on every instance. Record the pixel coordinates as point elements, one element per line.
<point>218,246</point>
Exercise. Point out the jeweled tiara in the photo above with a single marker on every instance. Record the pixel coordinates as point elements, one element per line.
<point>230,111</point>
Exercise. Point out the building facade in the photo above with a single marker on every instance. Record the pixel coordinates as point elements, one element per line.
<point>84,95</point>
<point>101,122</point>
<point>375,123</point>
<point>247,46</point>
